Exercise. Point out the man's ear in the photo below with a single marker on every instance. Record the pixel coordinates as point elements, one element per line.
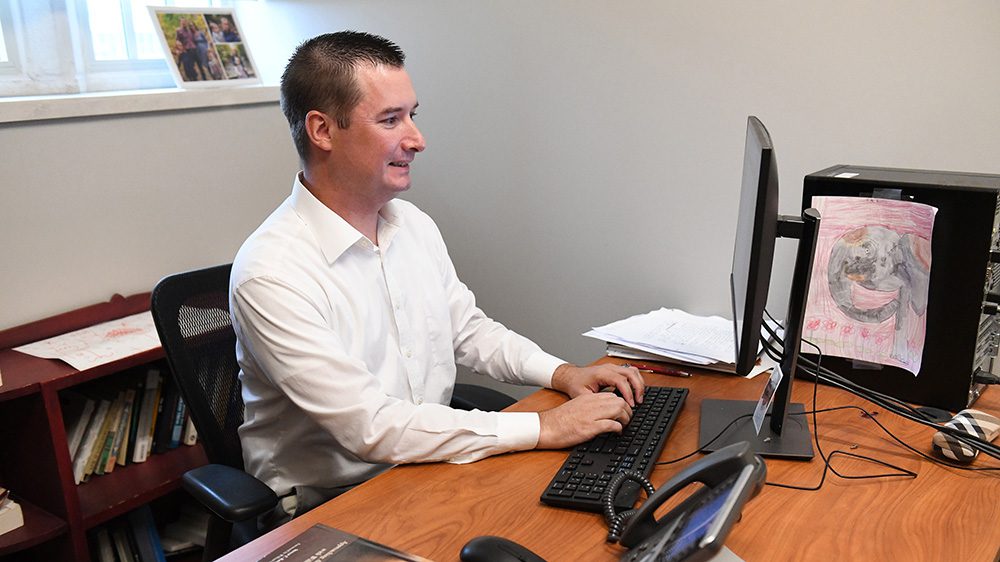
<point>319,127</point>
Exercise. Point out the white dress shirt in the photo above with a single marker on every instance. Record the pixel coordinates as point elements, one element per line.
<point>348,349</point>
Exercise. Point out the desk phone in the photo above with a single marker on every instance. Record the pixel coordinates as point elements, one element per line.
<point>697,528</point>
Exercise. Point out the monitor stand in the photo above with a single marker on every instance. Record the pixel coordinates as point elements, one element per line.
<point>794,441</point>
<point>786,433</point>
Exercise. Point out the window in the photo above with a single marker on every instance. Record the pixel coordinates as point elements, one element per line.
<point>73,46</point>
<point>3,45</point>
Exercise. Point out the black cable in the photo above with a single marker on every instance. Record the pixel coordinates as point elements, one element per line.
<point>827,466</point>
<point>810,363</point>
<point>889,403</point>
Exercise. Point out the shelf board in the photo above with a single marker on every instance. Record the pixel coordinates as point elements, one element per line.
<point>105,497</point>
<point>39,526</point>
<point>24,374</point>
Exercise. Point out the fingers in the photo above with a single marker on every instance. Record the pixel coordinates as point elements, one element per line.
<point>582,418</point>
<point>628,381</point>
<point>575,381</point>
<point>611,408</point>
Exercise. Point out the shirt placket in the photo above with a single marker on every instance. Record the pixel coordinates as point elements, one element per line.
<point>407,342</point>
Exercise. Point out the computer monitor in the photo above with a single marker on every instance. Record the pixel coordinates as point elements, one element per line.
<point>758,227</point>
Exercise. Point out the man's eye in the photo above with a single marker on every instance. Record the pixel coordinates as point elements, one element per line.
<point>413,115</point>
<point>390,120</point>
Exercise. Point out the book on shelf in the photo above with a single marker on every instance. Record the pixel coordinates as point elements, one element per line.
<point>120,541</point>
<point>140,392</point>
<point>147,537</point>
<point>120,430</point>
<point>162,433</point>
<point>190,433</point>
<point>188,531</point>
<point>144,430</point>
<point>107,440</point>
<point>89,441</point>
<point>320,542</point>
<point>104,548</point>
<point>77,410</point>
<point>11,516</point>
<point>178,429</point>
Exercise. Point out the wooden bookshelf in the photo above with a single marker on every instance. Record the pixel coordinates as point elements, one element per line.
<point>35,462</point>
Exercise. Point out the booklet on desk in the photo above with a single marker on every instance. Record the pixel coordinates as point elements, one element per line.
<point>320,542</point>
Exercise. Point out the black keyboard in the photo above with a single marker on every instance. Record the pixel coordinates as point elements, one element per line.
<point>588,470</point>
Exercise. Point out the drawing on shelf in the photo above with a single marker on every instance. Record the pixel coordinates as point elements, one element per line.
<point>870,280</point>
<point>100,344</point>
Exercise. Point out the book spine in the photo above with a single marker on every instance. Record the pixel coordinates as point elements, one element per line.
<point>79,428</point>
<point>165,418</point>
<point>143,436</point>
<point>140,392</point>
<point>121,431</point>
<point>89,440</point>
<point>114,416</point>
<point>178,429</point>
<point>98,443</point>
<point>147,538</point>
<point>190,433</point>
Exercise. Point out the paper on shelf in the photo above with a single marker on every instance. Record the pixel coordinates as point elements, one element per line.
<point>99,344</point>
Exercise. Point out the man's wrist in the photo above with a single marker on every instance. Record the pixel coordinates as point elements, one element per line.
<point>561,377</point>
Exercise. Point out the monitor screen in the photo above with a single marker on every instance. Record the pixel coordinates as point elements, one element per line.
<point>756,231</point>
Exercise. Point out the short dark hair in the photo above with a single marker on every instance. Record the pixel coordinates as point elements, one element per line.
<point>322,75</point>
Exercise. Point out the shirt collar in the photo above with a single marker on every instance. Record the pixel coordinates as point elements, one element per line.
<point>333,234</point>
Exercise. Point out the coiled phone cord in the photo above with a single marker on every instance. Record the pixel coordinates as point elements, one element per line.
<point>616,521</point>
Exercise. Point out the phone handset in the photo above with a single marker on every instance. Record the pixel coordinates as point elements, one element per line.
<point>731,476</point>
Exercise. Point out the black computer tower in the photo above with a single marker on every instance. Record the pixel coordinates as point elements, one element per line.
<point>961,336</point>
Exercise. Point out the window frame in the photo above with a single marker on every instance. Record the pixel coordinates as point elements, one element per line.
<point>50,51</point>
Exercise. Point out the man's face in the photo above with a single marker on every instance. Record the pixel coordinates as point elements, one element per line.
<point>372,156</point>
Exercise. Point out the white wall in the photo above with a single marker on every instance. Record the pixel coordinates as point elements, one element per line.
<point>583,157</point>
<point>97,206</point>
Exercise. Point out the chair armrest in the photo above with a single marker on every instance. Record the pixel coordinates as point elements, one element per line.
<point>228,492</point>
<point>475,397</point>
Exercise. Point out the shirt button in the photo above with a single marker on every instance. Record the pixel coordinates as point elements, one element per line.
<point>409,354</point>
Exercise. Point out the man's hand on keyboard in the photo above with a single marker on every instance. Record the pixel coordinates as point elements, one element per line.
<point>582,418</point>
<point>575,381</point>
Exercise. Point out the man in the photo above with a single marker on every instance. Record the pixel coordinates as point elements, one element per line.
<point>350,317</point>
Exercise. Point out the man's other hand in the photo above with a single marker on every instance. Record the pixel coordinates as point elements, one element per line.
<point>576,381</point>
<point>582,418</point>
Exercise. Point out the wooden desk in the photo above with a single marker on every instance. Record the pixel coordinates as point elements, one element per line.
<point>943,514</point>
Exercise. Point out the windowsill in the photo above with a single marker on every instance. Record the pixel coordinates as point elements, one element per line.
<point>37,108</point>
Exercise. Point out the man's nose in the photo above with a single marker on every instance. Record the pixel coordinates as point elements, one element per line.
<point>414,140</point>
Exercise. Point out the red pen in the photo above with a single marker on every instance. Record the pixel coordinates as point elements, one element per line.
<point>658,369</point>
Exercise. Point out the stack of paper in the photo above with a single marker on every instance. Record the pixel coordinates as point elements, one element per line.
<point>673,335</point>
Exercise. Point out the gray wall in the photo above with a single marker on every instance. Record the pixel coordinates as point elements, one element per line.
<point>583,157</point>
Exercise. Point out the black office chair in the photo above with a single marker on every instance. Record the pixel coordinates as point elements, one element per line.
<point>191,313</point>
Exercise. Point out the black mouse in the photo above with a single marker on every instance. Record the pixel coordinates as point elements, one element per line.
<point>496,549</point>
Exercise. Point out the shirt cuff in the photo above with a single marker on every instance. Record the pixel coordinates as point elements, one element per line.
<point>515,431</point>
<point>518,431</point>
<point>539,367</point>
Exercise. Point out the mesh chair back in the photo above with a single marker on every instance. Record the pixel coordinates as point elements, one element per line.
<point>191,313</point>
